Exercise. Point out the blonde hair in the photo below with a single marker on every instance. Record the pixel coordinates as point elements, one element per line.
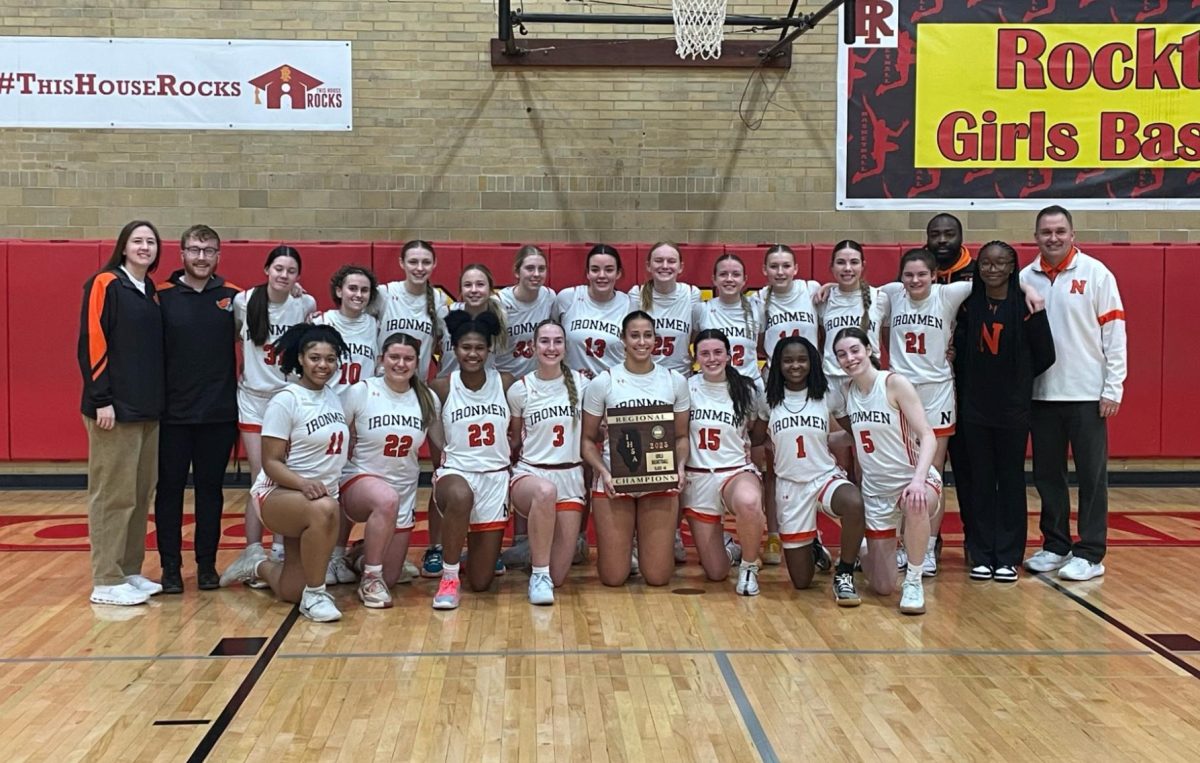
<point>647,295</point>
<point>775,249</point>
<point>493,304</point>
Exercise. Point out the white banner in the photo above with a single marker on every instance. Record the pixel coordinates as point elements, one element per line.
<point>175,84</point>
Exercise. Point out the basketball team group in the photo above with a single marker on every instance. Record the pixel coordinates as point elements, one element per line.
<point>781,403</point>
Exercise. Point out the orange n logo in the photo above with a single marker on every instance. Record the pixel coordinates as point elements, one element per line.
<point>990,337</point>
<point>1077,286</point>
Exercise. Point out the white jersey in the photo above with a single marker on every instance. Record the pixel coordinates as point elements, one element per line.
<point>742,330</point>
<point>260,366</point>
<point>790,314</point>
<point>883,439</point>
<point>845,310</point>
<point>799,432</point>
<point>921,331</point>
<point>448,362</point>
<point>593,329</point>
<point>551,426</point>
<point>476,426</point>
<point>714,441</point>
<point>523,318</point>
<point>409,314</point>
<point>360,335</point>
<point>618,387</point>
<point>674,325</point>
<point>318,440</point>
<point>387,432</point>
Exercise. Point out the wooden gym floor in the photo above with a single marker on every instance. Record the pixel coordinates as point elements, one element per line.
<point>1103,670</point>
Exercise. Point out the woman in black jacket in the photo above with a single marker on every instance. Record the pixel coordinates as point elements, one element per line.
<point>121,360</point>
<point>1002,349</point>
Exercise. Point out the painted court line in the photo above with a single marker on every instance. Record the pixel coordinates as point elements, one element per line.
<point>717,652</point>
<point>120,658</point>
<point>749,717</point>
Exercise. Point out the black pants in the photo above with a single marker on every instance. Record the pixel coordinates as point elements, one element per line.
<point>998,516</point>
<point>205,448</point>
<point>960,463</point>
<point>1055,426</point>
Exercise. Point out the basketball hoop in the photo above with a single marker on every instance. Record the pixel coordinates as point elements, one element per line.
<point>699,27</point>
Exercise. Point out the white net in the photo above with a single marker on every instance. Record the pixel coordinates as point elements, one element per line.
<point>699,27</point>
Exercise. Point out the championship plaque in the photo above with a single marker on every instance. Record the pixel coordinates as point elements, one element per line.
<point>641,446</point>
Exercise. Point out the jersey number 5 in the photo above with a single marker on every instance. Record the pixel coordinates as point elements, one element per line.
<point>868,445</point>
<point>481,435</point>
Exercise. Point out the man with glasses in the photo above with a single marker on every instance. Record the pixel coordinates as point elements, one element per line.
<point>199,426</point>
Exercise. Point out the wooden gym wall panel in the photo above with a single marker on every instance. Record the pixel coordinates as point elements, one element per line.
<point>1139,270</point>
<point>45,388</point>
<point>1180,421</point>
<point>4,430</point>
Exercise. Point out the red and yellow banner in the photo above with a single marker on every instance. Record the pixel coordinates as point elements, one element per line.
<point>1014,103</point>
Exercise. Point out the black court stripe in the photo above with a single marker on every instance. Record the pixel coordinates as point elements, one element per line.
<point>218,727</point>
<point>757,734</point>
<point>1149,643</point>
<point>180,723</point>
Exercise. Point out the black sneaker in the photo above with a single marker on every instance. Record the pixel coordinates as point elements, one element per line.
<point>172,580</point>
<point>844,592</point>
<point>821,558</point>
<point>207,578</point>
<point>1005,573</point>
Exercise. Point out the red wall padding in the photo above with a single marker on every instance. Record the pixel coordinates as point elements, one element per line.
<point>43,372</point>
<point>4,427</point>
<point>499,260</point>
<point>1180,360</point>
<point>39,396</point>
<point>386,256</point>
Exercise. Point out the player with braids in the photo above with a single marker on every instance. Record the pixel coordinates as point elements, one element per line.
<point>391,417</point>
<point>672,304</point>
<point>471,485</point>
<point>738,316</point>
<point>304,443</point>
<point>261,315</point>
<point>547,482</point>
<point>809,479</point>
<point>477,295</point>
<point>353,288</point>
<point>725,409</point>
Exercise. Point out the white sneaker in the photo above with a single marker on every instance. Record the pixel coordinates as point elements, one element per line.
<point>747,584</point>
<point>680,551</point>
<point>1046,561</point>
<point>338,571</point>
<point>1080,569</point>
<point>374,592</point>
<point>144,584</point>
<point>634,570</point>
<point>929,566</point>
<point>408,573</point>
<point>318,606</point>
<point>901,559</point>
<point>581,550</point>
<point>121,595</point>
<point>541,589</point>
<point>242,569</point>
<point>276,552</point>
<point>733,550</point>
<point>912,598</point>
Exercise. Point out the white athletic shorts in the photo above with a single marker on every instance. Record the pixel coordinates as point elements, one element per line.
<point>490,511</point>
<point>702,499</point>
<point>938,401</point>
<point>798,502</point>
<point>568,483</point>
<point>884,512</point>
<point>251,409</point>
<point>407,491</point>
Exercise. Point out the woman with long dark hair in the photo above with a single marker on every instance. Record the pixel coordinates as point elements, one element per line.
<point>121,361</point>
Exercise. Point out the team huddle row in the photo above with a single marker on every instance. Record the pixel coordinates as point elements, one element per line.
<point>525,378</point>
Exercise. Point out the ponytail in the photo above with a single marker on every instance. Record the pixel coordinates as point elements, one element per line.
<point>569,383</point>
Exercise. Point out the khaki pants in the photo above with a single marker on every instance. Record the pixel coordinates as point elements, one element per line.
<point>122,470</point>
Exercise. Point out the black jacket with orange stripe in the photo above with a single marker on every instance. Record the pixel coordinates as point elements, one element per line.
<point>200,341</point>
<point>121,348</point>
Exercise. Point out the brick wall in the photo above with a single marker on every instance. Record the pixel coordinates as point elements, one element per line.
<point>443,147</point>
